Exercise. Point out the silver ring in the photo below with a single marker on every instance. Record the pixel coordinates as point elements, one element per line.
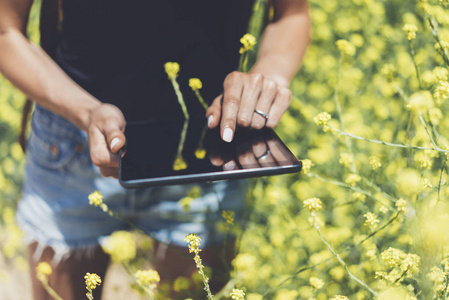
<point>261,114</point>
<point>264,155</point>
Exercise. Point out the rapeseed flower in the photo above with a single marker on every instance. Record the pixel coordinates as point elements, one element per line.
<point>375,162</point>
<point>307,164</point>
<point>316,283</point>
<point>228,215</point>
<point>410,31</point>
<point>195,84</point>
<point>237,294</point>
<point>352,179</point>
<point>147,277</point>
<point>121,246</point>
<point>345,47</point>
<point>43,269</point>
<point>371,220</point>
<point>194,242</point>
<point>248,41</point>
<point>313,204</point>
<point>92,281</point>
<point>172,69</point>
<point>179,163</point>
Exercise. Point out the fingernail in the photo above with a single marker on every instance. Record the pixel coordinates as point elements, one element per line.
<point>227,134</point>
<point>114,142</point>
<point>210,120</point>
<point>230,165</point>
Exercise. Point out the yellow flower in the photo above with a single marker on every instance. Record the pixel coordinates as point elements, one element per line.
<point>313,204</point>
<point>410,31</point>
<point>172,69</point>
<point>427,185</point>
<point>371,220</point>
<point>228,215</point>
<point>195,84</point>
<point>237,294</point>
<point>441,92</point>
<point>120,245</point>
<point>375,162</point>
<point>185,203</point>
<point>96,198</point>
<point>389,71</point>
<point>248,41</point>
<point>345,47</point>
<point>322,119</point>
<point>200,153</point>
<point>392,257</point>
<point>401,204</point>
<point>43,269</point>
<point>316,283</point>
<point>419,102</point>
<point>359,196</point>
<point>147,277</point>
<point>345,159</point>
<point>194,242</point>
<point>352,179</point>
<point>307,164</point>
<point>179,164</point>
<point>92,281</point>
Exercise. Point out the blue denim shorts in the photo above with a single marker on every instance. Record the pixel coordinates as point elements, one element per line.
<point>54,209</point>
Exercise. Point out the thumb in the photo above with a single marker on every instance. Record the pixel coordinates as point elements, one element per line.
<point>115,137</point>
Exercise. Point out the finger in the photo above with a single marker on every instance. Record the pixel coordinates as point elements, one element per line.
<point>251,93</point>
<point>99,150</point>
<point>232,94</point>
<point>264,103</point>
<point>113,131</point>
<point>280,105</point>
<point>281,157</point>
<point>263,155</point>
<point>109,172</point>
<point>213,113</point>
<point>230,165</point>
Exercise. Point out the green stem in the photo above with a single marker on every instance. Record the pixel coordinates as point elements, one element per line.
<point>355,189</point>
<point>200,98</point>
<point>412,53</point>
<point>180,97</point>
<point>423,122</point>
<point>434,30</point>
<point>50,290</point>
<point>388,144</point>
<point>342,262</point>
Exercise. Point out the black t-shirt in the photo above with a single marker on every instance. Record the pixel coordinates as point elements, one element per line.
<point>117,49</point>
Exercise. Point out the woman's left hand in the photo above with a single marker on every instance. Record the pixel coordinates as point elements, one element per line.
<point>248,100</point>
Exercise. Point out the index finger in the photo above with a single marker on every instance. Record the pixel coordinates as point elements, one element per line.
<point>233,88</point>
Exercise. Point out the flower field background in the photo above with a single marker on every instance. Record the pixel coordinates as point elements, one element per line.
<point>368,216</point>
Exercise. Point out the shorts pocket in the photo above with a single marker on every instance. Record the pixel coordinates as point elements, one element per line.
<point>51,152</point>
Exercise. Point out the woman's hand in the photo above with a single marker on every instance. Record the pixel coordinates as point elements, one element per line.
<point>243,95</point>
<point>106,138</point>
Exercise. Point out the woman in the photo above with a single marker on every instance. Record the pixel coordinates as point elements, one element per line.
<point>106,68</point>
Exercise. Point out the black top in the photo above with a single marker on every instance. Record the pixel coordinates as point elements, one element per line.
<point>117,49</point>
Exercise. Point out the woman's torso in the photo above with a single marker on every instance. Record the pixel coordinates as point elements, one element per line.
<point>116,50</point>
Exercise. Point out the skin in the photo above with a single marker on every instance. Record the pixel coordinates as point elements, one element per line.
<point>265,88</point>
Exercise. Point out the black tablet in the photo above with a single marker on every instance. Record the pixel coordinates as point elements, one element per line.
<point>167,152</point>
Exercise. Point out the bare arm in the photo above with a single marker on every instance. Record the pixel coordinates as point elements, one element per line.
<point>265,87</point>
<point>31,70</point>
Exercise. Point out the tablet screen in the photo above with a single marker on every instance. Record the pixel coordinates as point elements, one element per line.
<point>175,152</point>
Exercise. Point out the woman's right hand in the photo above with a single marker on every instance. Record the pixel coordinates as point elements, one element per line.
<point>106,138</point>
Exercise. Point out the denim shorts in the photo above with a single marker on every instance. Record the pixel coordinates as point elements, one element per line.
<point>54,209</point>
